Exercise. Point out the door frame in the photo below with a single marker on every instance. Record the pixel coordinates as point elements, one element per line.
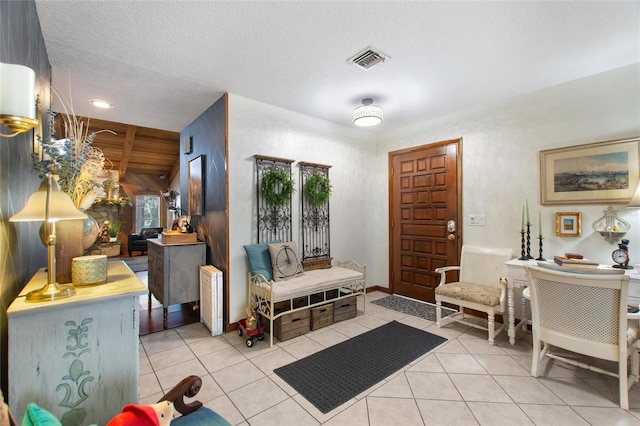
<point>458,143</point>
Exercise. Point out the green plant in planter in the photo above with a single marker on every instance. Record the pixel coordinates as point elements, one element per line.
<point>108,185</point>
<point>113,229</point>
<point>276,188</point>
<point>317,189</point>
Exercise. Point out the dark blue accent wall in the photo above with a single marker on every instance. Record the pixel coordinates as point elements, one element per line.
<point>21,252</point>
<point>209,133</point>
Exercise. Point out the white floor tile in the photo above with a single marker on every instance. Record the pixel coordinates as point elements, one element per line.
<point>445,413</point>
<point>393,411</point>
<point>463,382</point>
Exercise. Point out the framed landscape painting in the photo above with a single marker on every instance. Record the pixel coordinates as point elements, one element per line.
<point>603,172</point>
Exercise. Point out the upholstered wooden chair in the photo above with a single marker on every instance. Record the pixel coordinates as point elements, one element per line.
<point>585,313</point>
<point>482,286</point>
<point>192,413</point>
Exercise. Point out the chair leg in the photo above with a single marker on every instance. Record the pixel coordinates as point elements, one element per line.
<point>438,313</point>
<point>535,358</point>
<point>622,378</point>
<point>491,317</point>
<point>635,363</point>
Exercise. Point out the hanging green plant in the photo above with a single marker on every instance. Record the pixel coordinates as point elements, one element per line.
<point>317,189</point>
<point>276,187</point>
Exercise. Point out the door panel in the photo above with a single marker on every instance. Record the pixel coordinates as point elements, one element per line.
<point>424,196</point>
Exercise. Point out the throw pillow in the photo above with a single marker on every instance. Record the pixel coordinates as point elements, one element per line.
<point>285,261</point>
<point>36,416</point>
<point>259,259</point>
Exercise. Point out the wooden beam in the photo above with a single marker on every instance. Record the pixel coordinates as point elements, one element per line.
<point>126,150</point>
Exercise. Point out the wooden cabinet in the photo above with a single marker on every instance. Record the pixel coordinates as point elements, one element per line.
<point>174,272</point>
<point>77,357</point>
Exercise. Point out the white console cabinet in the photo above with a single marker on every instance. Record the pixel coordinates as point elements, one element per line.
<point>77,357</point>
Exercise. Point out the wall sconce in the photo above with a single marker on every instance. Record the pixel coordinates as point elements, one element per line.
<point>611,226</point>
<point>17,98</point>
<point>50,205</point>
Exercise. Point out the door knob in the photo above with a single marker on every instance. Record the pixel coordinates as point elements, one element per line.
<point>451,237</point>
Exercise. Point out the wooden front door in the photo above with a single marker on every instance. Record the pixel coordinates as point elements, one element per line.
<point>425,216</point>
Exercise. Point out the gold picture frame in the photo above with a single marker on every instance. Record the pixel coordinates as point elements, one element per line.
<point>602,172</point>
<point>569,224</point>
<point>195,185</point>
<point>37,132</point>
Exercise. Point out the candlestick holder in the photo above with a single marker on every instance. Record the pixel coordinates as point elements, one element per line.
<point>523,253</point>
<point>529,257</point>
<point>540,258</point>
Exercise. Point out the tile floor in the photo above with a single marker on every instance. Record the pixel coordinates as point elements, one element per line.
<point>465,381</point>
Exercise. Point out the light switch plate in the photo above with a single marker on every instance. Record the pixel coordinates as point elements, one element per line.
<point>477,219</point>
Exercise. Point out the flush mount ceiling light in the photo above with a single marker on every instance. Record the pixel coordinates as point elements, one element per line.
<point>367,114</point>
<point>101,103</point>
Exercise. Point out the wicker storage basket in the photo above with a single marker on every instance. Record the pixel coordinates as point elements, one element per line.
<point>89,270</point>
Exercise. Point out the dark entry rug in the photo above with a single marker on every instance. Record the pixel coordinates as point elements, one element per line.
<point>334,375</point>
<point>413,307</point>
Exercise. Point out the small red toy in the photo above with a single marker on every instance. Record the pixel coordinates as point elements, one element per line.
<point>159,414</point>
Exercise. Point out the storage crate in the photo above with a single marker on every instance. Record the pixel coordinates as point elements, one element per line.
<point>292,325</point>
<point>344,309</point>
<point>321,316</point>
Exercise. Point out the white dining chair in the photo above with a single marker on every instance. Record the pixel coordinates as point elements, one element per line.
<point>585,313</point>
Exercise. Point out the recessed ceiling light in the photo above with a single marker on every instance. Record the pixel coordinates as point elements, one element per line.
<point>100,103</point>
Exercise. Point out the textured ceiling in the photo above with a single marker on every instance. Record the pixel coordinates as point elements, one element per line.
<point>162,63</point>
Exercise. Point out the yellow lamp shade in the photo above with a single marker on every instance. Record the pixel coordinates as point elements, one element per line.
<point>60,208</point>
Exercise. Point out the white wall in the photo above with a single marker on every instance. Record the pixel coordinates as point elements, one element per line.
<point>257,128</point>
<point>501,144</point>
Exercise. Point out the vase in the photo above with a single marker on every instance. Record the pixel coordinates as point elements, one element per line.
<point>90,232</point>
<point>69,244</point>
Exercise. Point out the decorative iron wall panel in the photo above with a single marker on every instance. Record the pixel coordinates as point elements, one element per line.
<point>315,219</point>
<point>274,222</point>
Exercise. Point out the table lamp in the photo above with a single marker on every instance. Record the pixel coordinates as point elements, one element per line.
<point>634,203</point>
<point>50,205</point>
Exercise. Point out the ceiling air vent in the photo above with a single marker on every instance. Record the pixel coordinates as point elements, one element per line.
<point>368,58</point>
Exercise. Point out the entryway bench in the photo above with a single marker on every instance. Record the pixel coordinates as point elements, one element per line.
<point>314,288</point>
